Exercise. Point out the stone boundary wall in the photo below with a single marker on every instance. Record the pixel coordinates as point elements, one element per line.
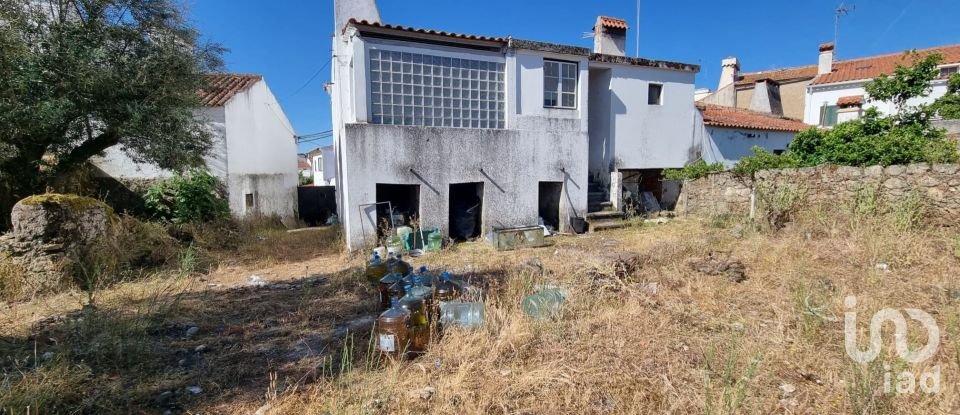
<point>724,193</point>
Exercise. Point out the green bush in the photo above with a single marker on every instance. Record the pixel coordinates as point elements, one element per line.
<point>195,196</point>
<point>764,160</point>
<point>693,171</point>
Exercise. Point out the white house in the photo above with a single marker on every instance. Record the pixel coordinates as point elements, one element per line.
<point>837,93</point>
<point>254,152</point>
<point>727,134</point>
<point>471,133</point>
<point>324,166</point>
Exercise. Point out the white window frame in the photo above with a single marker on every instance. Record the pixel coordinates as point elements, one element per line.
<point>659,98</point>
<point>558,93</point>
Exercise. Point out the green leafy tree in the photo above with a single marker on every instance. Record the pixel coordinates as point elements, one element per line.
<point>907,82</point>
<point>80,76</point>
<point>948,106</point>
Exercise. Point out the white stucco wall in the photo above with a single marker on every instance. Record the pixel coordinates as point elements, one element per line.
<point>641,136</point>
<point>114,162</point>
<point>262,154</point>
<point>818,95</point>
<point>513,164</point>
<point>729,145</point>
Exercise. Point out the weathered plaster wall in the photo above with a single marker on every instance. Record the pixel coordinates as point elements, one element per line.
<point>939,185</point>
<point>651,136</point>
<point>262,155</point>
<point>792,95</point>
<point>513,163</point>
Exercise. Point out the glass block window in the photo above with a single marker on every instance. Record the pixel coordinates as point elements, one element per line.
<point>559,84</point>
<point>434,91</point>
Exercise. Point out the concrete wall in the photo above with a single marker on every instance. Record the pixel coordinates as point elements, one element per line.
<point>513,163</point>
<point>262,155</point>
<point>792,95</point>
<point>938,185</point>
<point>646,136</point>
<point>820,94</point>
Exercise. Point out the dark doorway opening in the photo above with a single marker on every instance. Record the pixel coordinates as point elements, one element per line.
<point>466,208</point>
<point>405,200</point>
<point>549,197</point>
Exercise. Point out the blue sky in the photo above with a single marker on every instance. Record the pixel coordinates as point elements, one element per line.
<point>288,41</point>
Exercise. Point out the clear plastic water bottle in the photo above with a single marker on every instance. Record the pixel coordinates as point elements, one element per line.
<point>419,278</point>
<point>544,304</point>
<point>393,333</point>
<point>458,314</point>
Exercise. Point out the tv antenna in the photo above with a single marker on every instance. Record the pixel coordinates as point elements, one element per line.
<point>842,10</point>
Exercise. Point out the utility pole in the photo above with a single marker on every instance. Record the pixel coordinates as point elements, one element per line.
<point>637,29</point>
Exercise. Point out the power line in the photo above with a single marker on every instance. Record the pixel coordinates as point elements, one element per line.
<point>312,78</point>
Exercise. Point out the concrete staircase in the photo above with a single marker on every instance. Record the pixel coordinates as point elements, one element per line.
<point>598,197</point>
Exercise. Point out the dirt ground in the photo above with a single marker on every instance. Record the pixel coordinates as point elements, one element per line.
<point>698,315</point>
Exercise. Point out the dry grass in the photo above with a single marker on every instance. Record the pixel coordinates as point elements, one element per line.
<point>641,332</point>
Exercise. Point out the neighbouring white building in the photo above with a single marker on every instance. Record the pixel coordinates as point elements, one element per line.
<point>254,152</point>
<point>837,93</point>
<point>472,133</point>
<point>727,134</point>
<point>826,93</point>
<point>324,166</point>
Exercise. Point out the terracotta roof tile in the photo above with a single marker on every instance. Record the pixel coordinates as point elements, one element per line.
<point>613,23</point>
<point>874,66</point>
<point>221,87</point>
<point>850,101</point>
<point>719,116</point>
<point>379,25</point>
<point>779,75</point>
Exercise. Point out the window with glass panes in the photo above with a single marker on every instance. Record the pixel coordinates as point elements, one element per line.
<point>559,84</point>
<point>435,91</point>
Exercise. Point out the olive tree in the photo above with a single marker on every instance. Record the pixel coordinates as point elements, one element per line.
<point>80,76</point>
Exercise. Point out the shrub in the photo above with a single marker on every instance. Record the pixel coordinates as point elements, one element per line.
<point>195,196</point>
<point>764,160</point>
<point>693,171</point>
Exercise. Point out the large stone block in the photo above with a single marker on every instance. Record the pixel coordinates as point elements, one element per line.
<point>55,218</point>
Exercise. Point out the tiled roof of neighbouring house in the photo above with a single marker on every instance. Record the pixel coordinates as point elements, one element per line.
<point>221,87</point>
<point>874,66</point>
<point>784,75</point>
<point>719,116</point>
<point>849,101</point>
<point>613,23</point>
